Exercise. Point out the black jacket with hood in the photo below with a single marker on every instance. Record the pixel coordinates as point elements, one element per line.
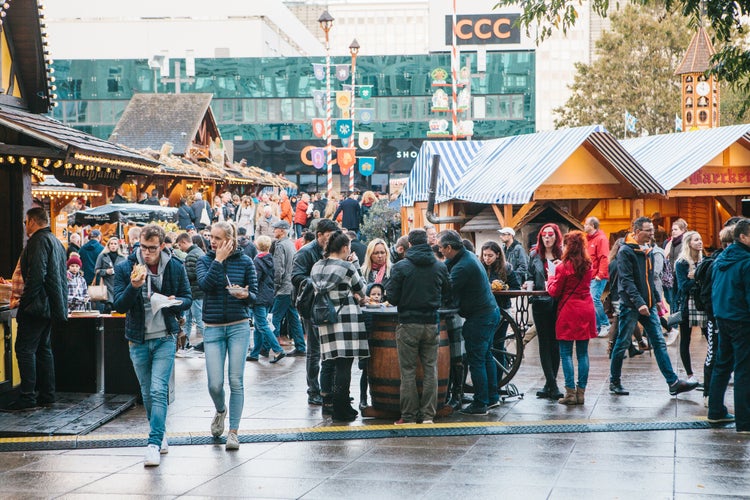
<point>635,275</point>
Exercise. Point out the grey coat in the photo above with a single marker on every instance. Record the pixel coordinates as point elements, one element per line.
<point>283,260</point>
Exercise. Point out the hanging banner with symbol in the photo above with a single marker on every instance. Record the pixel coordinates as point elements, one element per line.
<point>343,99</point>
<point>318,99</point>
<point>319,70</point>
<point>365,91</point>
<point>364,115</point>
<point>319,127</point>
<point>342,72</point>
<point>366,166</point>
<point>344,128</point>
<point>365,139</point>
<point>318,156</point>
<point>346,158</point>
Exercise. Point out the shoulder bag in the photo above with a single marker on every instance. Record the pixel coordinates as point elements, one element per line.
<point>98,293</point>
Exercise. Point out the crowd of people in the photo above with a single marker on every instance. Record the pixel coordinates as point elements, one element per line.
<point>221,278</point>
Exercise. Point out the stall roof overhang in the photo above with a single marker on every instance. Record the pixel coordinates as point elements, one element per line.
<point>23,25</point>
<point>73,146</point>
<point>511,170</point>
<point>672,158</point>
<point>454,159</point>
<point>52,187</point>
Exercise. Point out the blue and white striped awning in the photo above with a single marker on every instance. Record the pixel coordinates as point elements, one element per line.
<point>509,170</point>
<point>455,156</point>
<point>672,158</point>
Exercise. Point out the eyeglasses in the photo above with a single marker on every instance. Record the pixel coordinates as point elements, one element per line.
<point>548,235</point>
<point>150,249</point>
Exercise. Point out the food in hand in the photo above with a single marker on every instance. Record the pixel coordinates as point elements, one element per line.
<point>498,286</point>
<point>3,281</point>
<point>139,272</point>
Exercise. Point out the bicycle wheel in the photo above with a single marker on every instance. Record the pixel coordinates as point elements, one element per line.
<point>507,348</point>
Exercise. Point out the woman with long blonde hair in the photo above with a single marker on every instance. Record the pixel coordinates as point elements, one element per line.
<point>377,265</point>
<point>684,270</point>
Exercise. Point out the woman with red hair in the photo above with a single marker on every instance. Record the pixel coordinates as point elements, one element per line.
<point>542,260</point>
<point>576,319</point>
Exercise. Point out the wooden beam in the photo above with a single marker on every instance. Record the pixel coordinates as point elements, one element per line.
<point>582,191</point>
<point>171,186</point>
<point>146,182</point>
<point>692,193</point>
<point>583,212</point>
<point>528,207</point>
<point>728,204</point>
<point>499,215</point>
<point>508,212</point>
<point>32,151</point>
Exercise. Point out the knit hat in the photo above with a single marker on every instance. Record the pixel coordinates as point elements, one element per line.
<point>74,260</point>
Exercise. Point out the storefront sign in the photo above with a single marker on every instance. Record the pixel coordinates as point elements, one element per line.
<point>722,177</point>
<point>483,29</point>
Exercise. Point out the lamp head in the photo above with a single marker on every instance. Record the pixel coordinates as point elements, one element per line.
<point>354,47</point>
<point>326,22</point>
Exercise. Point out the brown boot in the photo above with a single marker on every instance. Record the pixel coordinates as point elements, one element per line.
<point>580,392</point>
<point>570,397</point>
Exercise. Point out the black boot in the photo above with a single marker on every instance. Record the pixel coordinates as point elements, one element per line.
<point>633,351</point>
<point>342,407</point>
<point>327,404</point>
<point>456,392</point>
<point>554,393</point>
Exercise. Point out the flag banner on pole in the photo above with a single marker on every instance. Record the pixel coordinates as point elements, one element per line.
<point>366,165</point>
<point>319,70</point>
<point>344,128</point>
<point>318,99</point>
<point>319,127</point>
<point>346,158</point>
<point>318,156</point>
<point>365,139</point>
<point>630,122</point>
<point>364,115</point>
<point>677,123</point>
<point>342,72</point>
<point>343,99</point>
<point>365,91</point>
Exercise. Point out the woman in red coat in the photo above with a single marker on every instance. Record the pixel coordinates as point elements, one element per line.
<point>576,320</point>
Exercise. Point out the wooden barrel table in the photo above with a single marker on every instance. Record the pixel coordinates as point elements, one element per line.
<point>383,367</point>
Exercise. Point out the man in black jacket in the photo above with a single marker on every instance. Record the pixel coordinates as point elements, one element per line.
<point>317,381</point>
<point>44,300</point>
<point>418,286</point>
<point>195,313</point>
<point>638,301</point>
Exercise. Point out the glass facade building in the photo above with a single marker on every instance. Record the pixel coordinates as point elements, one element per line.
<point>259,102</point>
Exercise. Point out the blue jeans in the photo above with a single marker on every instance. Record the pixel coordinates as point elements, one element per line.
<point>597,289</point>
<point>566,357</point>
<point>478,332</point>
<point>319,380</point>
<point>733,354</point>
<point>651,327</point>
<point>153,361</point>
<point>263,337</point>
<point>282,306</point>
<point>220,343</point>
<point>195,314</point>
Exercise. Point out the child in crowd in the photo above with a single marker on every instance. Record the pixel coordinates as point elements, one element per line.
<point>375,293</point>
<point>78,293</point>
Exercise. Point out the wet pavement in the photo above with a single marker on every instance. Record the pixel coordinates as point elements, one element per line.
<point>469,459</point>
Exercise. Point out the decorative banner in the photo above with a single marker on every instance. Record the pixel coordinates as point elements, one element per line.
<point>346,158</point>
<point>319,127</point>
<point>365,91</point>
<point>343,99</point>
<point>365,139</point>
<point>318,99</point>
<point>366,166</point>
<point>318,156</point>
<point>342,72</point>
<point>344,128</point>
<point>364,115</point>
<point>319,70</point>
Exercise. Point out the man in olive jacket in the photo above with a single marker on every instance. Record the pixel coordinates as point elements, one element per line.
<point>44,300</point>
<point>419,284</point>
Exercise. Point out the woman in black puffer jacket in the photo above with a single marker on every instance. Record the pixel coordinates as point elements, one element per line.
<point>227,317</point>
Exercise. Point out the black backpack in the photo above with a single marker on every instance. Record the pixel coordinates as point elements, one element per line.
<point>702,288</point>
<point>323,310</point>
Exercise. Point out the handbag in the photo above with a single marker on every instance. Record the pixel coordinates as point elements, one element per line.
<point>205,219</point>
<point>98,293</point>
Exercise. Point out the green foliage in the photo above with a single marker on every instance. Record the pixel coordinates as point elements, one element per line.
<point>382,221</point>
<point>724,17</point>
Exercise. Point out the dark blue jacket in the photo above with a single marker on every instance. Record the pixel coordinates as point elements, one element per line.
<point>350,218</point>
<point>685,285</point>
<point>730,292</point>
<point>264,268</point>
<point>219,307</point>
<point>185,216</point>
<point>129,300</point>
<point>89,252</point>
<point>471,289</point>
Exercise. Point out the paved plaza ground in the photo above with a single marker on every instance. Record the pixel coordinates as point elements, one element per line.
<point>452,458</point>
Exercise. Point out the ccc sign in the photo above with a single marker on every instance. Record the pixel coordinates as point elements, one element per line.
<point>483,29</point>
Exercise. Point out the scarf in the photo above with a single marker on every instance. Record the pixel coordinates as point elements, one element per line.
<point>380,272</point>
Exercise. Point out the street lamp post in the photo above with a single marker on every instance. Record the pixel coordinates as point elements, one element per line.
<point>353,50</point>
<point>326,23</point>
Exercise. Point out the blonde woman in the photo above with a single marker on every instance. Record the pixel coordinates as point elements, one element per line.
<point>690,256</point>
<point>104,268</point>
<point>377,265</point>
<point>245,215</point>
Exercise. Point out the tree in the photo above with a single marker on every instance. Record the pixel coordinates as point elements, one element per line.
<point>633,71</point>
<point>732,60</point>
<point>382,221</point>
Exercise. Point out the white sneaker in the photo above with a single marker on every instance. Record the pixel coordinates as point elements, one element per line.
<point>217,424</point>
<point>233,442</point>
<point>672,336</point>
<point>152,457</point>
<point>692,379</point>
<point>164,445</point>
<point>603,332</point>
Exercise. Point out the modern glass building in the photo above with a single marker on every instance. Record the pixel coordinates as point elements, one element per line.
<point>265,106</point>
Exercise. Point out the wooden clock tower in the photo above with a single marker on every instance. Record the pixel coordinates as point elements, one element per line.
<point>700,93</point>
